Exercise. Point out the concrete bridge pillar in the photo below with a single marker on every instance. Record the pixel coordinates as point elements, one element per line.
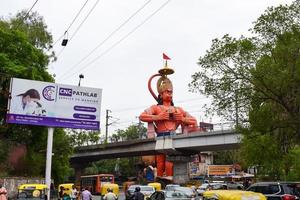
<point>180,168</point>
<point>79,169</point>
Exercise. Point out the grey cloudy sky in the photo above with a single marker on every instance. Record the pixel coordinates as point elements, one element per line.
<point>122,64</point>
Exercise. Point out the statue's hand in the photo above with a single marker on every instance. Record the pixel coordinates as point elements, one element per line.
<point>178,116</point>
<point>162,116</point>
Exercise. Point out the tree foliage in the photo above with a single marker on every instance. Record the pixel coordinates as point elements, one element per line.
<point>227,157</point>
<point>84,137</point>
<point>258,76</point>
<point>125,165</point>
<point>25,52</point>
<point>132,132</point>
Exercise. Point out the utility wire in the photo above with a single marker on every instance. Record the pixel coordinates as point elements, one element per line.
<point>94,6</point>
<point>58,39</point>
<point>108,37</point>
<point>145,106</point>
<point>77,15</point>
<point>119,41</point>
<point>132,121</point>
<point>71,22</point>
<point>60,52</point>
<point>27,13</point>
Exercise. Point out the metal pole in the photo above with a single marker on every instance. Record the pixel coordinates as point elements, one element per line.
<point>106,125</point>
<point>80,77</point>
<point>49,159</point>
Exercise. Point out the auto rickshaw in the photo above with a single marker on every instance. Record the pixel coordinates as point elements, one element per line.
<point>232,195</point>
<point>32,192</point>
<point>113,186</point>
<point>67,188</point>
<point>156,185</point>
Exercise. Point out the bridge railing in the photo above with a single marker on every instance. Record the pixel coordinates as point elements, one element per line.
<point>204,127</point>
<point>208,127</point>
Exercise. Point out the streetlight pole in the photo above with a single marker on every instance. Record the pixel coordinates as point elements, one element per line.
<point>80,77</point>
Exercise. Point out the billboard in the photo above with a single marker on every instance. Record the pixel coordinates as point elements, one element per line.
<point>53,105</point>
<point>221,170</point>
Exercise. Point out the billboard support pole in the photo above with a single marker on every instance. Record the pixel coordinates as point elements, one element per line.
<point>49,160</point>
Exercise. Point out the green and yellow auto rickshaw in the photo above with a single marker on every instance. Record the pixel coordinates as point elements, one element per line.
<point>156,185</point>
<point>66,187</point>
<point>32,192</point>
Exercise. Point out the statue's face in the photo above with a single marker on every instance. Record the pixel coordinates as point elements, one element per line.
<point>167,95</point>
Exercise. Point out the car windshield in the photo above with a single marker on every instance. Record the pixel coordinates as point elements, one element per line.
<point>185,190</point>
<point>132,188</point>
<point>175,194</point>
<point>171,187</point>
<point>216,186</point>
<point>147,188</point>
<point>203,186</point>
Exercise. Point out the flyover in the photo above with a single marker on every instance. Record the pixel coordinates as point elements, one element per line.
<point>183,144</point>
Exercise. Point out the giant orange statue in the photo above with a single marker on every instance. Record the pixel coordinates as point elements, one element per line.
<point>165,116</point>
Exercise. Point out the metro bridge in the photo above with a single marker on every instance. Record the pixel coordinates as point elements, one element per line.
<point>183,144</point>
<point>178,148</point>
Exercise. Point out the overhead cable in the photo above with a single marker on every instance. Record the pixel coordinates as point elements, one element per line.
<point>80,25</point>
<point>27,13</point>
<point>94,6</point>
<point>119,41</point>
<point>145,106</point>
<point>108,37</point>
<point>71,22</point>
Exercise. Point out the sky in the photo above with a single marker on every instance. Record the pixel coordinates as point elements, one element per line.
<point>118,45</point>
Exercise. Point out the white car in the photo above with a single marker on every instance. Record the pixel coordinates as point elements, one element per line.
<point>171,187</point>
<point>147,190</point>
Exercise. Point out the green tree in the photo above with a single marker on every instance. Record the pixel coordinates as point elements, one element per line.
<point>25,52</point>
<point>132,132</point>
<point>84,137</point>
<point>126,165</point>
<point>227,157</point>
<point>259,76</point>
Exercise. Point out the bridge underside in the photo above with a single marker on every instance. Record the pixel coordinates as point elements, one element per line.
<point>114,150</point>
<point>181,145</point>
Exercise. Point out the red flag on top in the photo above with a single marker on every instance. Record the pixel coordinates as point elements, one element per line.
<point>166,57</point>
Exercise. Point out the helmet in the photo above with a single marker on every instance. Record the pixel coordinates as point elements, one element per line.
<point>163,84</point>
<point>137,189</point>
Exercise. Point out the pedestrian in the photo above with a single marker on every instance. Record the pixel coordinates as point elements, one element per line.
<point>110,195</point>
<point>137,194</point>
<point>246,183</point>
<point>149,173</point>
<point>86,194</point>
<point>3,192</point>
<point>74,193</point>
<point>66,197</point>
<point>61,192</point>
